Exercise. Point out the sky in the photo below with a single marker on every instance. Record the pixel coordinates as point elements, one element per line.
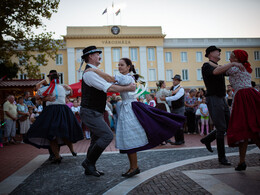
<point>178,18</point>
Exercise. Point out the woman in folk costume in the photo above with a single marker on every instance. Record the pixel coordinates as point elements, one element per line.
<point>162,104</point>
<point>139,126</point>
<point>56,125</point>
<point>163,92</point>
<point>244,123</point>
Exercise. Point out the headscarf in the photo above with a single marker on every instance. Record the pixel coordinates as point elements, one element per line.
<point>242,57</point>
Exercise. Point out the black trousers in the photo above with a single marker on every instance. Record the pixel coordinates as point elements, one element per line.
<point>190,120</point>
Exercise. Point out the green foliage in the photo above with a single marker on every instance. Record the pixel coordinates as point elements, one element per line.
<point>8,70</point>
<point>18,20</point>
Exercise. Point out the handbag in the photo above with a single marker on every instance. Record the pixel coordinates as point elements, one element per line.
<point>23,118</point>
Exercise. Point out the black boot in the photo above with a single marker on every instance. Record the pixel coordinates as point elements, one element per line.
<point>179,137</point>
<point>221,152</point>
<point>90,162</point>
<point>208,139</point>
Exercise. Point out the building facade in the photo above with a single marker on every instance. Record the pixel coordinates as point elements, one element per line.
<point>154,56</point>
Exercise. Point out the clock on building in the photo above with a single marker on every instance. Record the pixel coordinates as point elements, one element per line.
<point>115,30</point>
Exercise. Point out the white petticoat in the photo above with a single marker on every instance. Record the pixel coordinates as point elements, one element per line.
<point>129,132</point>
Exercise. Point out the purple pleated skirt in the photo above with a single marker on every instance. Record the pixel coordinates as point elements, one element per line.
<point>159,125</point>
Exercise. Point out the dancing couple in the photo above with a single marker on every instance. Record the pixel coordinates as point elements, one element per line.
<point>139,126</point>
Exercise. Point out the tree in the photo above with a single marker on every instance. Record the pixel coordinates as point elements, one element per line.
<point>18,20</point>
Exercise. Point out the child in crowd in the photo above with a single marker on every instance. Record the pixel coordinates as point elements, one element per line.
<point>151,101</point>
<point>197,118</point>
<point>32,116</point>
<point>39,107</point>
<point>68,103</point>
<point>76,109</point>
<point>204,116</point>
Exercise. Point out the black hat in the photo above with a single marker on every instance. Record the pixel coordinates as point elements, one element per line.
<point>210,49</point>
<point>52,72</point>
<point>89,50</point>
<point>177,77</point>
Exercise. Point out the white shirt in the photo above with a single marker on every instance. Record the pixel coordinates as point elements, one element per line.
<point>94,80</point>
<point>75,109</point>
<point>61,94</point>
<point>177,96</point>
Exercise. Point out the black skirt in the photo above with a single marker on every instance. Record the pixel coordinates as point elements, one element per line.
<point>55,122</point>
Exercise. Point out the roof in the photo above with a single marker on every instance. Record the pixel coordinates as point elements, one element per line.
<point>19,83</point>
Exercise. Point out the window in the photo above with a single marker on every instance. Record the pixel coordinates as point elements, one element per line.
<point>116,54</point>
<point>257,73</point>
<point>256,55</point>
<point>168,56</point>
<point>137,70</point>
<point>184,57</point>
<point>23,76</point>
<point>133,53</point>
<point>228,55</point>
<point>199,75</point>
<point>39,59</point>
<point>78,55</point>
<point>115,71</point>
<point>152,75</point>
<point>61,77</point>
<point>169,75</point>
<point>199,56</point>
<point>43,75</point>
<point>59,59</point>
<point>151,54</point>
<point>185,75</point>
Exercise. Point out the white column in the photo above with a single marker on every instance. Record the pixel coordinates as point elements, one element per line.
<point>143,62</point>
<point>71,65</point>
<point>108,60</point>
<point>125,52</point>
<point>160,63</point>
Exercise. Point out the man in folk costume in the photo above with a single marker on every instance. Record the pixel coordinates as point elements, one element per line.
<point>93,103</point>
<point>177,106</point>
<point>213,77</point>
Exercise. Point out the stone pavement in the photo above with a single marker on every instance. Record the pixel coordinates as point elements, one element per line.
<point>172,170</point>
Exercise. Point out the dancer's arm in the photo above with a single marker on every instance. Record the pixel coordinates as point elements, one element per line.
<point>222,69</point>
<point>39,84</point>
<point>119,88</point>
<point>68,88</point>
<point>176,90</point>
<point>104,75</point>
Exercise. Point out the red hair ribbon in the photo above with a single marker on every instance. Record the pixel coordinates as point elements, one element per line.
<point>51,87</point>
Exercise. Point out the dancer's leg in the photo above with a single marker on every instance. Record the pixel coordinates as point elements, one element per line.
<point>133,161</point>
<point>55,148</point>
<point>133,166</point>
<point>242,151</point>
<point>69,144</point>
<point>257,141</point>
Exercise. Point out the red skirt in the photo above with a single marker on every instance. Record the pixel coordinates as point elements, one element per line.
<point>244,121</point>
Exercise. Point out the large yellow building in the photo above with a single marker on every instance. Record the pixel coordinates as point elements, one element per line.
<point>154,56</point>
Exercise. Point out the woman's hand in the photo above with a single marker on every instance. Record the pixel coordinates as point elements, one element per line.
<point>212,64</point>
<point>163,98</point>
<point>68,88</point>
<point>239,65</point>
